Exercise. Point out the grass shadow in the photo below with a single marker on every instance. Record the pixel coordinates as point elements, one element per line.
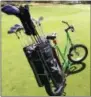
<point>76,68</point>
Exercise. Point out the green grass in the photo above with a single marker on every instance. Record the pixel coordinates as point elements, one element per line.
<point>17,76</point>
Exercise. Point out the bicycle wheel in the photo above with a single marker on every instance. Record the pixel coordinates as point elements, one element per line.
<point>77,53</point>
<point>56,83</point>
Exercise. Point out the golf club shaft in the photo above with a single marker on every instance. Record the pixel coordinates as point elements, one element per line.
<point>27,38</point>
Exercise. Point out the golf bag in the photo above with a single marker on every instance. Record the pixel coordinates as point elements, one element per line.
<point>45,66</point>
<point>37,55</point>
<point>41,55</point>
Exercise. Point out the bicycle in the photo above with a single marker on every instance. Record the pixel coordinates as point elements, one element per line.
<point>41,55</point>
<point>70,55</point>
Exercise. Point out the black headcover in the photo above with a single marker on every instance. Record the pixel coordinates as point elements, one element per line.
<point>10,10</point>
<point>26,21</point>
<point>23,14</point>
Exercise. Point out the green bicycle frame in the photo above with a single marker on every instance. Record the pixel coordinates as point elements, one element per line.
<point>66,63</point>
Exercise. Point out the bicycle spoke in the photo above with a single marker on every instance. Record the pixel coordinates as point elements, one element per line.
<point>77,53</point>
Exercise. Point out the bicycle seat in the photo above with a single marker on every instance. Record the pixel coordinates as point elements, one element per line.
<point>51,37</point>
<point>10,10</point>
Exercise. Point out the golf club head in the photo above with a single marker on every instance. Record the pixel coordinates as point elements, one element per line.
<point>40,18</point>
<point>12,30</point>
<point>19,26</point>
<point>15,29</point>
<point>10,10</point>
<point>16,25</point>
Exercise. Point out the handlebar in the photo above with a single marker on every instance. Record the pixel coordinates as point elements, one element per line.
<point>65,23</point>
<point>70,27</point>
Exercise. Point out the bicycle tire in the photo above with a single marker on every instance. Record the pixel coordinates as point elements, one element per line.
<point>74,48</point>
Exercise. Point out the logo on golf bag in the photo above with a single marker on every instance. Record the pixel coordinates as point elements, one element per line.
<point>55,66</point>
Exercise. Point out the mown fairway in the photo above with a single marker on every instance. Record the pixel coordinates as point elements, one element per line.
<point>17,76</point>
